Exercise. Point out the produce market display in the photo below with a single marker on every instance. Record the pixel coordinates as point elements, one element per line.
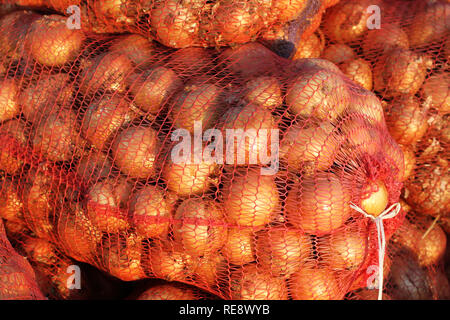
<point>192,149</point>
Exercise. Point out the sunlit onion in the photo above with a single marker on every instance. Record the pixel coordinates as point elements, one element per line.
<point>314,284</point>
<point>239,248</point>
<point>338,53</point>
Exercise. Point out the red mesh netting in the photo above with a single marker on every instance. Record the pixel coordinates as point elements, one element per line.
<point>231,170</point>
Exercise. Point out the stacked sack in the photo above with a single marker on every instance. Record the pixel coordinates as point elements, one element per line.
<point>126,155</point>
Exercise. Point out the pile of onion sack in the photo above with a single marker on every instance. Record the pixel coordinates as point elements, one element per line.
<point>190,23</point>
<point>405,63</point>
<point>230,173</point>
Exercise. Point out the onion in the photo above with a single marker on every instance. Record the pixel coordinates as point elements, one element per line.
<point>360,137</point>
<point>239,248</point>
<point>263,91</point>
<point>338,53</point>
<point>13,137</point>
<point>122,258</point>
<point>287,10</point>
<point>51,43</point>
<point>197,102</point>
<point>236,21</point>
<point>345,249</point>
<point>137,48</point>
<point>15,28</point>
<point>407,121</point>
<point>382,40</point>
<point>410,161</point>
<point>211,269</point>
<point>368,294</point>
<point>107,71</point>
<point>249,60</point>
<point>203,236</point>
<point>374,198</point>
<point>185,176</point>
<point>11,205</point>
<point>429,249</point>
<point>152,88</point>
<point>150,211</point>
<point>15,230</point>
<point>9,106</point>
<point>305,65</point>
<point>310,47</point>
<point>45,96</point>
<point>282,251</point>
<point>430,25</point>
<point>168,292</point>
<point>93,166</point>
<point>347,21</point>
<point>318,204</point>
<point>251,283</point>
<point>314,284</point>
<point>257,124</point>
<point>170,263</point>
<point>400,72</point>
<point>40,250</point>
<point>118,12</point>
<point>135,150</point>
<point>55,137</point>
<point>367,105</point>
<point>78,236</point>
<point>316,145</point>
<point>103,118</point>
<point>176,24</point>
<point>358,70</point>
<point>250,199</point>
<point>191,61</point>
<point>436,89</point>
<point>317,93</point>
<point>105,200</point>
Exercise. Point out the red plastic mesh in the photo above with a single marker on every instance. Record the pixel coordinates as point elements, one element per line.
<point>86,156</point>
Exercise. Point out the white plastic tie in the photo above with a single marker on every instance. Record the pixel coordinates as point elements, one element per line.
<point>389,213</point>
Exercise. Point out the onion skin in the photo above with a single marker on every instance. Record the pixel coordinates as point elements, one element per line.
<point>375,198</point>
<point>51,43</point>
<point>367,105</point>
<point>345,249</point>
<point>436,88</point>
<point>56,136</point>
<point>427,190</point>
<point>93,166</point>
<point>168,292</point>
<point>105,199</point>
<point>197,102</point>
<point>152,88</point>
<point>107,71</point>
<point>239,248</point>
<point>400,72</point>
<point>135,150</point>
<point>250,199</point>
<point>11,205</point>
<point>430,25</point>
<point>317,93</point>
<point>429,250</point>
<point>347,21</point>
<point>318,205</point>
<point>198,238</point>
<point>236,21</point>
<point>314,284</point>
<point>176,24</point>
<point>305,65</point>
<point>338,53</point>
<point>360,71</point>
<point>282,251</point>
<point>311,47</point>
<point>360,137</point>
<point>9,106</point>
<point>407,121</point>
<point>40,250</point>
<point>190,61</point>
<point>263,91</point>
<point>13,136</point>
<point>150,212</point>
<point>211,269</point>
<point>251,283</point>
<point>410,161</point>
<point>382,40</point>
<point>316,144</point>
<point>287,10</point>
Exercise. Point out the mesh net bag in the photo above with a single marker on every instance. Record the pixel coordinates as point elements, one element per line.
<point>17,278</point>
<point>232,170</point>
<point>185,23</point>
